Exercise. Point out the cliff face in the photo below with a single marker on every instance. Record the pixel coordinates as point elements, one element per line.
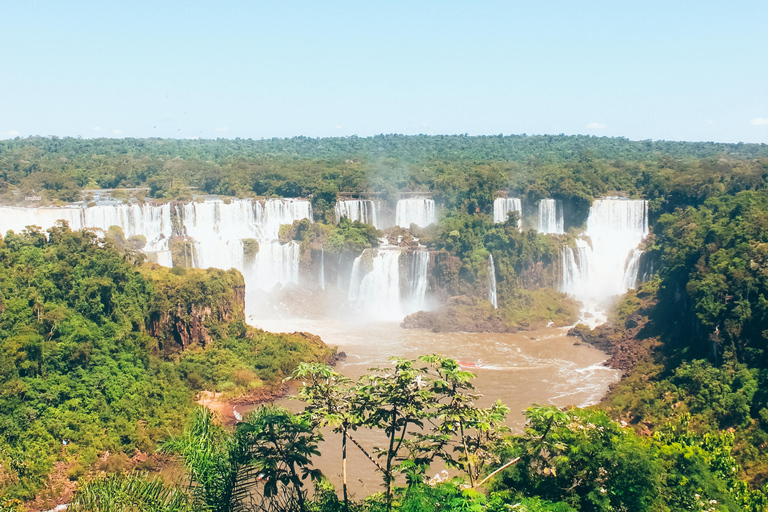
<point>194,306</point>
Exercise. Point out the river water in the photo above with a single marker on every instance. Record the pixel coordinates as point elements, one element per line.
<point>534,367</point>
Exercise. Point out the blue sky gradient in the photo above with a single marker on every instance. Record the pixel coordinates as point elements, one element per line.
<point>675,70</point>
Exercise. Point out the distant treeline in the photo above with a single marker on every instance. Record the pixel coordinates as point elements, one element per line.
<point>461,172</point>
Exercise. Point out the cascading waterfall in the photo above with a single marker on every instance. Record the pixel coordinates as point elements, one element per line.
<point>415,210</point>
<point>375,287</point>
<point>492,282</point>
<point>551,217</point>
<point>607,264</point>
<point>217,232</point>
<point>363,210</point>
<point>17,218</point>
<point>503,206</point>
<point>273,213</point>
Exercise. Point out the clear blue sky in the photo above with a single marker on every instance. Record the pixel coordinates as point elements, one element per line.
<point>676,70</point>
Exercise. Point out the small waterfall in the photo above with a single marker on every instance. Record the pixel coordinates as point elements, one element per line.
<point>503,206</point>
<point>322,268</point>
<point>418,279</point>
<point>575,267</point>
<point>608,264</point>
<point>363,210</point>
<point>274,264</point>
<point>492,282</point>
<point>631,269</point>
<point>415,210</point>
<point>551,216</point>
<point>17,218</point>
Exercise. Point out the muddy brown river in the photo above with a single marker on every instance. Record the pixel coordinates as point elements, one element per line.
<point>534,367</point>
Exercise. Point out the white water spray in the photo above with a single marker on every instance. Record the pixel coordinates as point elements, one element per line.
<point>322,268</point>
<point>375,289</point>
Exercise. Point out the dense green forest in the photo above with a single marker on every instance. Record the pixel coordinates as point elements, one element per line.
<point>460,172</point>
<point>102,353</point>
<point>88,351</point>
<point>703,321</point>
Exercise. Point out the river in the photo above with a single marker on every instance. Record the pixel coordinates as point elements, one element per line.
<point>532,367</point>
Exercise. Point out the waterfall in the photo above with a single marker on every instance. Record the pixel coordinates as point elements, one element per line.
<point>575,267</point>
<point>418,279</point>
<point>374,287</point>
<point>17,218</point>
<point>273,213</point>
<point>415,210</point>
<point>149,221</point>
<point>220,228</point>
<point>551,216</point>
<point>606,265</point>
<point>385,286</point>
<point>216,232</point>
<point>492,282</point>
<point>322,268</point>
<point>502,207</point>
<point>363,210</point>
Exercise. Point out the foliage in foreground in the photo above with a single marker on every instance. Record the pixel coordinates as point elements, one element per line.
<point>573,460</point>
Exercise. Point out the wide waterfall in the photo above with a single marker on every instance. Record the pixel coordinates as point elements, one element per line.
<point>386,287</point>
<point>551,217</point>
<point>363,210</point>
<point>220,234</point>
<point>149,221</point>
<point>606,263</point>
<point>492,282</point>
<point>503,206</point>
<point>415,210</point>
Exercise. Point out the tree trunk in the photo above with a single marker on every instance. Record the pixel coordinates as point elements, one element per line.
<point>344,466</point>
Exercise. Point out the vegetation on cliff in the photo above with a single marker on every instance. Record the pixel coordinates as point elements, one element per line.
<point>101,353</point>
<point>694,340</point>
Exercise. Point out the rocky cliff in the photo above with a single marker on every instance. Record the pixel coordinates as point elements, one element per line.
<point>193,306</point>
